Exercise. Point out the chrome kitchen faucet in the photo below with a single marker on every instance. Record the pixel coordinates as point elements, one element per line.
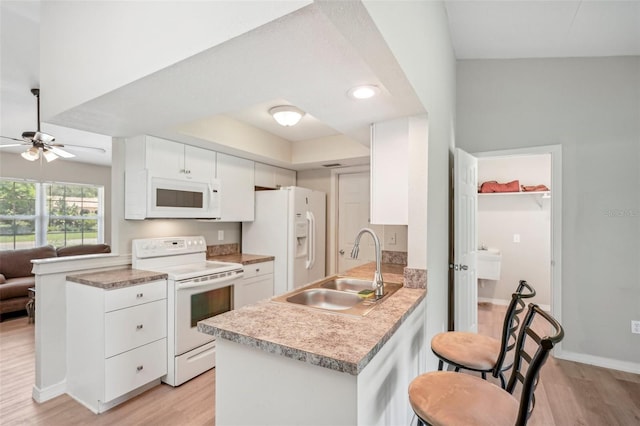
<point>377,283</point>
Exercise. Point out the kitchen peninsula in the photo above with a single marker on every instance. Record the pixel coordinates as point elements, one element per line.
<point>284,364</point>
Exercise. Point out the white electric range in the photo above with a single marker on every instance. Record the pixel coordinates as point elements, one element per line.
<point>197,289</point>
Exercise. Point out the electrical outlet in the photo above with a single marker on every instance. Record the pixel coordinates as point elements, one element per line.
<point>516,238</point>
<point>635,327</point>
<point>220,235</point>
<point>392,239</point>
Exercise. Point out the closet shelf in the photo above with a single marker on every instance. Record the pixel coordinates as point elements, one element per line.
<point>538,196</point>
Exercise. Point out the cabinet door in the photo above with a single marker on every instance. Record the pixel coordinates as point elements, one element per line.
<point>200,164</point>
<point>389,172</point>
<point>252,290</point>
<point>236,177</point>
<point>264,176</point>
<point>165,158</point>
<point>284,177</point>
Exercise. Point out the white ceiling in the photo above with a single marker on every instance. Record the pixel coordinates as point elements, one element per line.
<point>482,29</point>
<point>327,63</point>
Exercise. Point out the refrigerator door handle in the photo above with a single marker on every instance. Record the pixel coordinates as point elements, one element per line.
<point>311,241</point>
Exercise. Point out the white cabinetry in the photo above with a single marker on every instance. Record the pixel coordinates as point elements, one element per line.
<point>116,342</point>
<point>273,177</point>
<point>236,176</point>
<point>390,159</point>
<point>168,159</point>
<point>257,284</point>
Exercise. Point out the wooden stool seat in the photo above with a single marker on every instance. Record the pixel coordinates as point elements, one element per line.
<point>448,398</point>
<point>474,351</point>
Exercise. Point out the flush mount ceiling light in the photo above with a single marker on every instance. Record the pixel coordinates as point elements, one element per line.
<point>363,92</point>
<point>286,115</point>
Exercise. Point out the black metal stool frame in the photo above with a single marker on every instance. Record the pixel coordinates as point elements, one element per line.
<point>509,330</point>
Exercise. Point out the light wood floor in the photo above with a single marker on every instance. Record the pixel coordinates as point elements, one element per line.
<point>569,393</point>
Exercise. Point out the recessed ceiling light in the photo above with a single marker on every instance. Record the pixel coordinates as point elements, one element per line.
<point>363,92</point>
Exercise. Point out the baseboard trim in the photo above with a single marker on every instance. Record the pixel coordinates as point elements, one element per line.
<point>50,392</point>
<point>614,364</point>
<point>501,302</point>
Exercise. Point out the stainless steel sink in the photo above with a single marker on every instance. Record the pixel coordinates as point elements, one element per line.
<point>325,299</point>
<point>348,284</point>
<point>339,295</point>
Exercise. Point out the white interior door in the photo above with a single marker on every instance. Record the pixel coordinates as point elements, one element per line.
<point>465,201</point>
<point>353,214</point>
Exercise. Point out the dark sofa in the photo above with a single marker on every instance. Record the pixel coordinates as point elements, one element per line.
<point>16,266</point>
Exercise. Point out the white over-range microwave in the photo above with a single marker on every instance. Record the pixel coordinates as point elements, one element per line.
<point>149,197</point>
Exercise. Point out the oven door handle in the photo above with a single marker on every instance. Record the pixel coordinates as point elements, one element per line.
<point>217,282</point>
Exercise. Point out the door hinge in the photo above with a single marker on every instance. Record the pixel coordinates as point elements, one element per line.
<point>457,267</point>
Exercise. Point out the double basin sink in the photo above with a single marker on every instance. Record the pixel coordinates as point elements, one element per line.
<point>339,294</point>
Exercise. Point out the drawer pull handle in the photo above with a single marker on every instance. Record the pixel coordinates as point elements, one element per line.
<point>139,368</point>
<point>139,327</point>
<point>139,295</point>
<point>257,269</point>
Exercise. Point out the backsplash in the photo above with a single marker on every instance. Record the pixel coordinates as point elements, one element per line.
<point>415,278</point>
<point>397,257</point>
<point>223,249</point>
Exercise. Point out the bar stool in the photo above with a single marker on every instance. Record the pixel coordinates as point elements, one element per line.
<point>484,354</point>
<point>449,398</point>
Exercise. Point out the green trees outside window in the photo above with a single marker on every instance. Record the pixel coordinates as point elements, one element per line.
<point>35,214</point>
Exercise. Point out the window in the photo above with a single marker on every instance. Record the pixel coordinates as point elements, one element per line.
<point>35,214</point>
<point>17,214</point>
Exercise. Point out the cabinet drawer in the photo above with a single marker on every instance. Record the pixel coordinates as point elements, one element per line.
<point>257,269</point>
<point>135,295</point>
<point>130,370</point>
<point>129,328</point>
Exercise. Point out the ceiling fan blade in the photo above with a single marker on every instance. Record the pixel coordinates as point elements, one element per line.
<point>11,144</point>
<point>13,139</point>
<point>82,147</point>
<point>61,152</point>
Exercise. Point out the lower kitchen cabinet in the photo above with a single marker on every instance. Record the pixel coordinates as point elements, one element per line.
<point>257,284</point>
<point>116,342</point>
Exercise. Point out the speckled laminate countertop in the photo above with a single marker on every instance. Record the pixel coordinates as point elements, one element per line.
<point>337,341</point>
<point>243,258</point>
<point>117,278</point>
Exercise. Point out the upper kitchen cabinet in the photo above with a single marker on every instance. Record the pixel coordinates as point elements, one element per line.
<point>391,143</point>
<point>176,160</point>
<point>236,176</point>
<point>272,177</point>
<point>172,160</point>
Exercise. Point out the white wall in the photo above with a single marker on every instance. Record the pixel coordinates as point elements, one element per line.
<point>14,166</point>
<point>332,149</point>
<point>591,106</point>
<point>418,35</point>
<point>501,216</point>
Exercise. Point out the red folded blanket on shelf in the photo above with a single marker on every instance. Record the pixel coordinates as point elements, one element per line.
<point>494,186</point>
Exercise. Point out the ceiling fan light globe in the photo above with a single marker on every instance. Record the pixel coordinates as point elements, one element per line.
<point>32,154</point>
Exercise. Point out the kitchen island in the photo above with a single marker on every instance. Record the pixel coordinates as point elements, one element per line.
<point>284,364</point>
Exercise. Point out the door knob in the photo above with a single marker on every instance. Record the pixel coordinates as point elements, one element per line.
<point>341,251</point>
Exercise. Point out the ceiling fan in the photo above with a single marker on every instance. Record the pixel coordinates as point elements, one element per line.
<point>41,144</point>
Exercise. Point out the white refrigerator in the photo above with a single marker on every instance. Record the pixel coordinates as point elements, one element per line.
<point>290,225</point>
